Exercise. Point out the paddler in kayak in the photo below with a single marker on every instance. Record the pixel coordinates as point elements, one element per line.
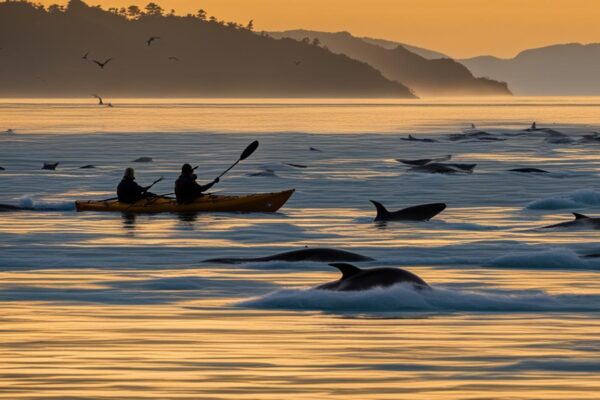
<point>129,191</point>
<point>187,189</point>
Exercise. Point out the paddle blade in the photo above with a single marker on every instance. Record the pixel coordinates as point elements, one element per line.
<point>249,150</point>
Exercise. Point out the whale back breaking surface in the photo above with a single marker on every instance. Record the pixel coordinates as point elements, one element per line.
<point>422,212</point>
<point>316,254</point>
<point>355,279</point>
<point>580,221</point>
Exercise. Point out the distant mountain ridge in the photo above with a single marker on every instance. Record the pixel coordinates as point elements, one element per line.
<point>562,69</point>
<point>390,45</point>
<point>42,55</point>
<point>438,77</point>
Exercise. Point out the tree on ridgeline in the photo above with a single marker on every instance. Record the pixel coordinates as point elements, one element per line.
<point>55,9</point>
<point>201,14</point>
<point>133,11</point>
<point>250,25</point>
<point>153,9</point>
<point>316,42</point>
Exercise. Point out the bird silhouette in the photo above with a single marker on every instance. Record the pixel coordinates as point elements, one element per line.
<point>172,58</point>
<point>85,56</point>
<point>100,102</point>
<point>102,64</point>
<point>297,63</point>
<point>152,39</point>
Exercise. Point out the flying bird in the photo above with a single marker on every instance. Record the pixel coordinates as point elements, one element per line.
<point>172,58</point>
<point>297,63</point>
<point>100,102</point>
<point>102,64</point>
<point>85,56</point>
<point>152,39</point>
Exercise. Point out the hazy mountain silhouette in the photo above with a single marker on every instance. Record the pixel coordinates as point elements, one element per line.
<point>564,69</point>
<point>440,77</point>
<point>43,55</point>
<point>391,45</point>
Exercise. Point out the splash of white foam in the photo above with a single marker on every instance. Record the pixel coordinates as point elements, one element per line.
<point>29,202</point>
<point>403,298</point>
<point>577,199</point>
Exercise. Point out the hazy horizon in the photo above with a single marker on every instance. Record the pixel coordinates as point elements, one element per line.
<point>471,28</point>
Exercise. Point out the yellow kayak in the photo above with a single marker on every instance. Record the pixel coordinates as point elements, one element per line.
<point>259,202</point>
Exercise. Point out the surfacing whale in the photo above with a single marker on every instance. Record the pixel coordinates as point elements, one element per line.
<point>316,254</point>
<point>580,221</point>
<point>411,138</point>
<point>143,159</point>
<point>425,161</point>
<point>529,170</point>
<point>442,168</point>
<point>50,166</point>
<point>416,213</point>
<point>354,278</point>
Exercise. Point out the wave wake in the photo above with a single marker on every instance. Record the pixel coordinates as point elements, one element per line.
<point>403,298</point>
<point>577,199</point>
<point>29,202</point>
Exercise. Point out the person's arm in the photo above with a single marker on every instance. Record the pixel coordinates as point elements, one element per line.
<point>204,188</point>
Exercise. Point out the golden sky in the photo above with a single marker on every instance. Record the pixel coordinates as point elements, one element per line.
<point>460,28</point>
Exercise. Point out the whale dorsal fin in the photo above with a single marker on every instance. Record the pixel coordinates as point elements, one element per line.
<point>580,216</point>
<point>410,136</point>
<point>347,270</point>
<point>382,212</point>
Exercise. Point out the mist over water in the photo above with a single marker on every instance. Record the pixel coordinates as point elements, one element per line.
<point>103,305</point>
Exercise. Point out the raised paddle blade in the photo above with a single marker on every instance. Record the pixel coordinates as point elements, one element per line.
<point>347,270</point>
<point>249,150</point>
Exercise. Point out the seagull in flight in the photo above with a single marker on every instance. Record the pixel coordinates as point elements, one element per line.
<point>85,56</point>
<point>102,64</point>
<point>152,39</point>
<point>100,102</point>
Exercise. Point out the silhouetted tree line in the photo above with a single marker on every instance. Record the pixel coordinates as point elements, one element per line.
<point>151,10</point>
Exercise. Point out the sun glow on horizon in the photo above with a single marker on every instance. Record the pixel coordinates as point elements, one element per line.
<point>466,28</point>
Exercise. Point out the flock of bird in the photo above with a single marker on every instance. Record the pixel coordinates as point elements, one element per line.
<point>103,64</point>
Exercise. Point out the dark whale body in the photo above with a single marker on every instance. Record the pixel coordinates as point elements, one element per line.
<point>442,168</point>
<point>417,213</point>
<point>50,166</point>
<point>89,166</point>
<point>354,278</point>
<point>9,208</point>
<point>316,254</point>
<point>529,170</point>
<point>424,161</point>
<point>411,138</point>
<point>580,221</point>
<point>143,159</point>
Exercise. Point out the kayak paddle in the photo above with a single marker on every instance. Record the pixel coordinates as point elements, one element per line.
<point>248,151</point>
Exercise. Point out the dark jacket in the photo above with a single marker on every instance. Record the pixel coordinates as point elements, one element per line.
<point>129,191</point>
<point>187,190</point>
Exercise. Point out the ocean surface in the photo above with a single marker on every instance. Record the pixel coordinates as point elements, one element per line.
<point>106,306</point>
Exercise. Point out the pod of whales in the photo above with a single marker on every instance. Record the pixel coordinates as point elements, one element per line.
<point>354,278</point>
<point>580,221</point>
<point>416,213</point>
<point>316,254</point>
